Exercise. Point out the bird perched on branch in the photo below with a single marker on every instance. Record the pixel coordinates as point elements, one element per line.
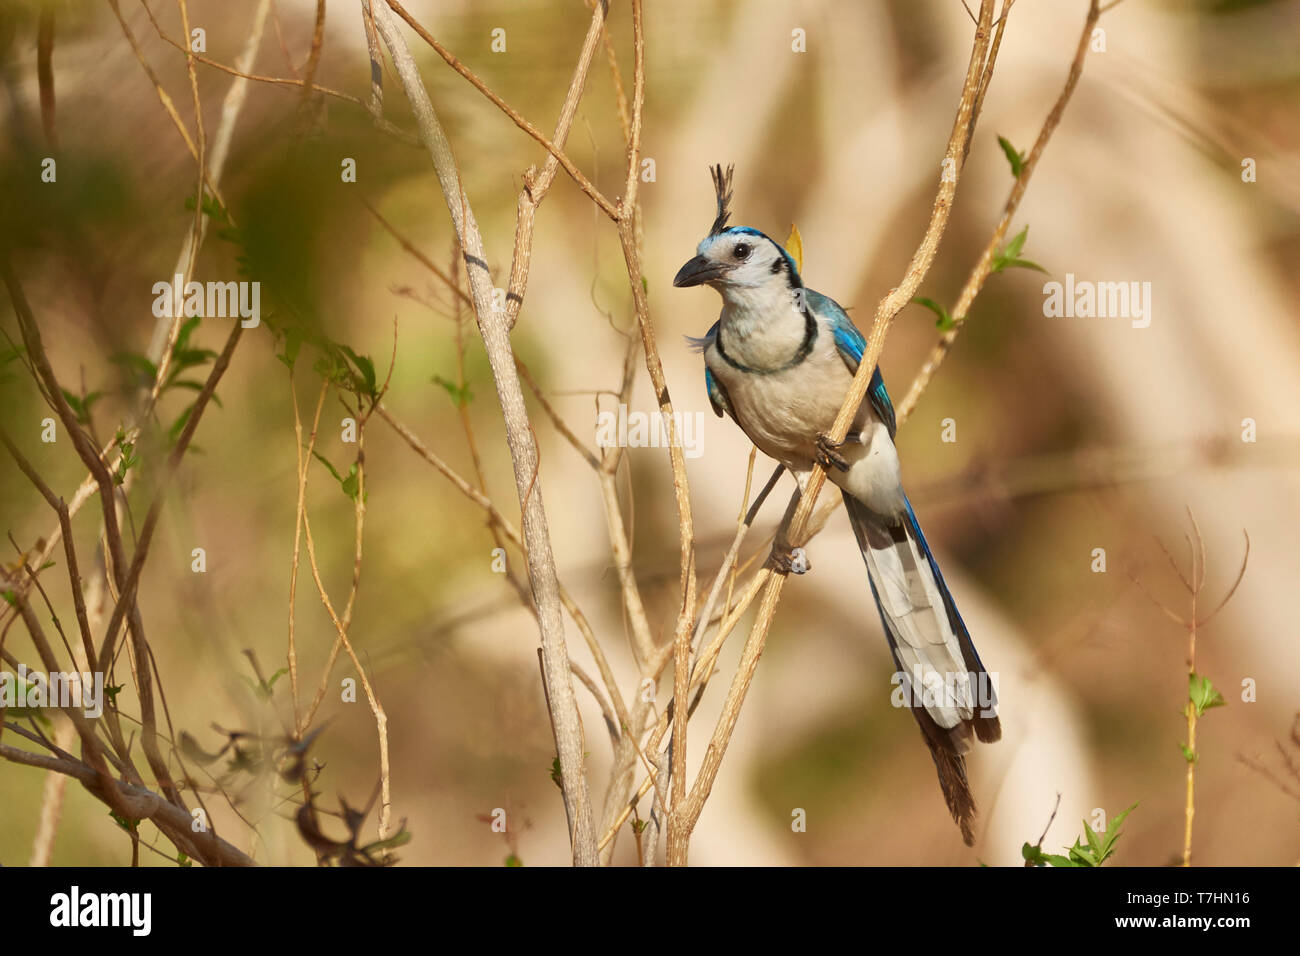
<point>779,361</point>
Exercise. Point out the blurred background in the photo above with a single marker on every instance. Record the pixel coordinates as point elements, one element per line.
<point>1072,434</point>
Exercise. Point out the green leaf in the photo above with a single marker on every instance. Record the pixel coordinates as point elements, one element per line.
<point>211,208</point>
<point>186,330</point>
<point>81,406</point>
<point>1094,841</point>
<point>462,396</point>
<point>400,838</point>
<point>188,358</point>
<point>1016,159</point>
<point>1022,264</point>
<point>366,367</point>
<point>1113,833</point>
<point>326,462</point>
<point>1203,694</point>
<point>1009,256</point>
<point>1017,243</point>
<point>513,860</point>
<point>1062,861</point>
<point>331,369</point>
<point>1094,853</point>
<point>352,483</point>
<point>128,461</point>
<point>1033,855</point>
<point>292,344</point>
<point>944,321</point>
<point>144,370</point>
<point>1188,754</point>
<point>178,426</point>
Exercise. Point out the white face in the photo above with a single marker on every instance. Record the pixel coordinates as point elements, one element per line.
<point>744,260</point>
<point>736,260</point>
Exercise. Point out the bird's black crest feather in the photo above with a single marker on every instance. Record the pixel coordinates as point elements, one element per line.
<point>722,186</point>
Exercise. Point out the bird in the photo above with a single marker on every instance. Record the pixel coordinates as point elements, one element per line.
<point>779,362</point>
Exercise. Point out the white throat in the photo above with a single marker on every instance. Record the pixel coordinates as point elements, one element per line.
<point>761,325</point>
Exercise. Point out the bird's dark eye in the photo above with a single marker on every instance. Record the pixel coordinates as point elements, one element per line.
<point>741,251</point>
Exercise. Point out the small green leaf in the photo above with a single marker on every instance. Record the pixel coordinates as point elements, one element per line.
<point>944,321</point>
<point>400,838</point>
<point>145,371</point>
<point>292,344</point>
<point>81,406</point>
<point>1113,833</point>
<point>211,208</point>
<point>1009,256</point>
<point>186,330</point>
<point>1017,243</point>
<point>1188,755</point>
<point>1022,264</point>
<point>1033,855</point>
<point>178,426</point>
<point>326,462</point>
<point>10,597</point>
<point>513,860</point>
<point>1203,694</point>
<point>366,367</point>
<point>1016,159</point>
<point>462,396</point>
<point>352,483</point>
<point>331,368</point>
<point>1094,841</point>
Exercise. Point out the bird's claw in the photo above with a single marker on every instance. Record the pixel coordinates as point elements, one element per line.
<point>828,453</point>
<point>791,560</point>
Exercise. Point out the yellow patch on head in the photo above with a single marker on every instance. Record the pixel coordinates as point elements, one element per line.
<point>794,246</point>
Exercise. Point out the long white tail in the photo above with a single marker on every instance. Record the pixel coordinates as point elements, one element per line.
<point>939,672</point>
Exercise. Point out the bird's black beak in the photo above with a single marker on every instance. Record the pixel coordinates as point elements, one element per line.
<point>698,271</point>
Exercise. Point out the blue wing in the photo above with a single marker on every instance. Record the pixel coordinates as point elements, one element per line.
<point>851,344</point>
<point>717,397</point>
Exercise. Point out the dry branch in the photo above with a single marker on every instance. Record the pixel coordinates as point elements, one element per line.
<point>523,451</point>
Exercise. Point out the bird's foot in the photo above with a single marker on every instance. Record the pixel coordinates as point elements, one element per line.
<point>789,560</point>
<point>828,452</point>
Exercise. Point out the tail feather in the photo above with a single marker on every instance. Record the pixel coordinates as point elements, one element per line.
<point>931,647</point>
